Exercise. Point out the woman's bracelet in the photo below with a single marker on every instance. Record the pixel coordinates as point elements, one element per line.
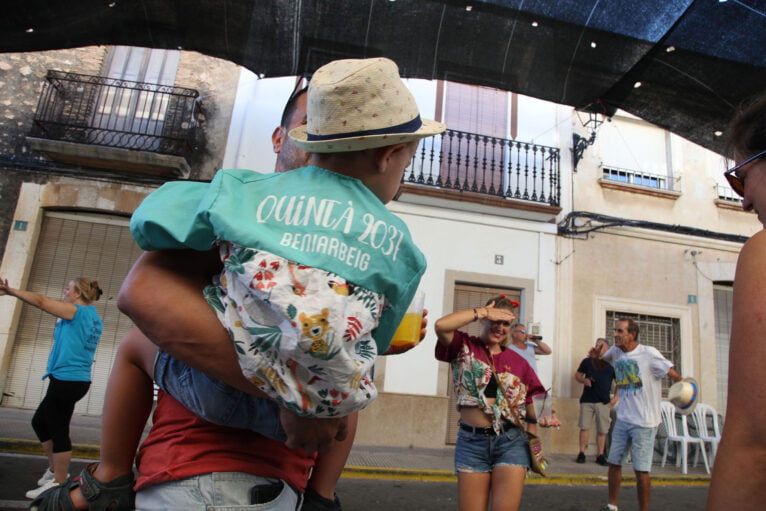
<point>530,421</point>
<point>475,314</point>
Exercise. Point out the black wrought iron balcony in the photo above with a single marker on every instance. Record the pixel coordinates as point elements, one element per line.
<point>467,162</point>
<point>149,120</point>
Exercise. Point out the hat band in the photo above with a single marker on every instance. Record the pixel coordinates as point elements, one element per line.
<point>692,399</point>
<point>407,127</point>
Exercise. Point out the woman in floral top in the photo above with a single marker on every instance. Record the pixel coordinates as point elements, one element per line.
<point>491,456</point>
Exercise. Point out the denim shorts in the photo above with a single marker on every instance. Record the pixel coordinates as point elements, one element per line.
<point>476,452</point>
<point>636,440</point>
<point>220,491</point>
<point>216,401</point>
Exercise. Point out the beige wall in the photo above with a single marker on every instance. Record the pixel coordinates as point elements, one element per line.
<point>643,270</point>
<point>404,420</point>
<point>695,171</point>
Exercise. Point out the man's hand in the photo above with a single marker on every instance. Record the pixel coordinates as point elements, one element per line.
<point>310,434</point>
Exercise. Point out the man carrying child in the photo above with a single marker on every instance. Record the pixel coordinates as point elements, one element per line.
<point>317,273</point>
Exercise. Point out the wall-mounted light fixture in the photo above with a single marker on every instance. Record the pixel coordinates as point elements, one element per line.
<point>580,143</point>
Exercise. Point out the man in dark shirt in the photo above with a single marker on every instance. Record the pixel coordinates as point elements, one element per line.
<point>597,377</point>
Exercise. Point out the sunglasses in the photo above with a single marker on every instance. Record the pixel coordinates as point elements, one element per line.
<point>736,182</point>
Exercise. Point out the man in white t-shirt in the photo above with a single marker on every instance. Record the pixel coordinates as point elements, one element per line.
<point>638,371</point>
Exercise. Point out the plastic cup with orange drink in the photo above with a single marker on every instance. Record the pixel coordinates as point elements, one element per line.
<point>407,336</point>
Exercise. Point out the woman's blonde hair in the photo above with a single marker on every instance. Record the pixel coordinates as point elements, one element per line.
<point>503,302</point>
<point>88,289</point>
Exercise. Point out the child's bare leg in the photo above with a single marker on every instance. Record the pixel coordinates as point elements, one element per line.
<point>329,465</point>
<point>127,405</point>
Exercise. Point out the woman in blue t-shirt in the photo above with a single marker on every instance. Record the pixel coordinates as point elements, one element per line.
<point>75,338</point>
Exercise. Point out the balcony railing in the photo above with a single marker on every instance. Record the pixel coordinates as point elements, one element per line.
<point>117,113</point>
<point>635,177</point>
<point>726,193</point>
<point>468,162</point>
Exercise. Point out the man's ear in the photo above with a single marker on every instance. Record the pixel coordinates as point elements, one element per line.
<point>383,155</point>
<point>278,138</point>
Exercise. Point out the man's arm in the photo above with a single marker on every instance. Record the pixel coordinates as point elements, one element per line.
<point>162,294</point>
<point>673,375</point>
<point>541,348</point>
<point>580,377</point>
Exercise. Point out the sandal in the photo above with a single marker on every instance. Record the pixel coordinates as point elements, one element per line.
<point>312,501</point>
<point>116,495</point>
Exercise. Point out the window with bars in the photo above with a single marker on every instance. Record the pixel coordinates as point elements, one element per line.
<point>657,331</point>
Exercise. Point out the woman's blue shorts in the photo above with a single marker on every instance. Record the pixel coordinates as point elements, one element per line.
<point>477,452</point>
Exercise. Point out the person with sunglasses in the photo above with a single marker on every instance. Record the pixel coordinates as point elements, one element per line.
<point>494,386</point>
<point>739,473</point>
<point>528,345</point>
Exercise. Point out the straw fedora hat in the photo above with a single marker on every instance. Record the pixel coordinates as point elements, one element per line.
<point>357,104</point>
<point>684,395</point>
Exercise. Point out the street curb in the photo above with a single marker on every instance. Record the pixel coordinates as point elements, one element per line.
<point>18,446</point>
<point>91,452</point>
<point>355,472</point>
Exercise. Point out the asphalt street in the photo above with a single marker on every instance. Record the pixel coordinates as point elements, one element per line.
<point>18,473</point>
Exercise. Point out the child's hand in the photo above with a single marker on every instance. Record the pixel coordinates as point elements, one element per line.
<point>310,434</point>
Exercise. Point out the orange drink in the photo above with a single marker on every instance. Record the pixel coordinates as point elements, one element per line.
<point>408,333</point>
<point>407,336</point>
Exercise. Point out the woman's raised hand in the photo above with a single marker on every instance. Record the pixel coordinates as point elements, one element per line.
<point>4,287</point>
<point>494,314</point>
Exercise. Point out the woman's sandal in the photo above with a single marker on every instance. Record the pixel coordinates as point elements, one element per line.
<point>116,495</point>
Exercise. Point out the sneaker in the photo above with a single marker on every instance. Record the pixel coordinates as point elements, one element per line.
<point>580,458</point>
<point>601,460</point>
<point>33,494</point>
<point>608,507</point>
<point>47,476</point>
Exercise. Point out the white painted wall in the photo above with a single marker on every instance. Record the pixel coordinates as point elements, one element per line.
<point>468,242</point>
<point>257,111</point>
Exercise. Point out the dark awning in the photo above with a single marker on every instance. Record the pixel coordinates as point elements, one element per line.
<point>695,60</point>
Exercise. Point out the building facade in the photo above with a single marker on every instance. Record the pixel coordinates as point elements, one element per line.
<point>86,134</point>
<point>637,227</point>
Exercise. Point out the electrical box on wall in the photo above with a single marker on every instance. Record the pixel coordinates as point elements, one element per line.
<point>534,329</point>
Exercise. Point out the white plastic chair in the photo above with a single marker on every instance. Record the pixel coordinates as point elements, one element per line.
<point>703,431</point>
<point>683,438</point>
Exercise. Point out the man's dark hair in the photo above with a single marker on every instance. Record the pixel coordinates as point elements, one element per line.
<point>747,131</point>
<point>287,113</point>
<point>632,326</point>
